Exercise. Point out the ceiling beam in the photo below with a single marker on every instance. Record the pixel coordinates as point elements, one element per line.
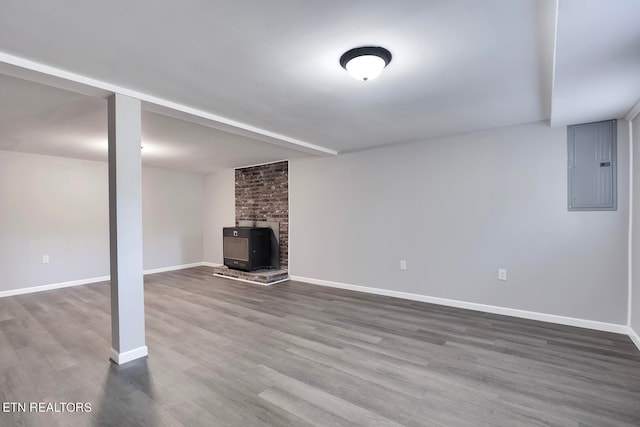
<point>552,70</point>
<point>633,113</point>
<point>203,118</point>
<point>33,71</point>
<point>546,16</point>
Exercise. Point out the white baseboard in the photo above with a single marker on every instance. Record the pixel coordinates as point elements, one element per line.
<point>211,264</point>
<point>532,315</point>
<point>634,337</point>
<point>89,281</point>
<point>128,356</point>
<point>52,286</point>
<point>173,268</point>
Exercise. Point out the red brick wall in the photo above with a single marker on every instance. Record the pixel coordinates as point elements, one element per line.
<point>262,194</point>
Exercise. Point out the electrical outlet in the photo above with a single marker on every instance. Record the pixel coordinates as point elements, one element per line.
<point>403,265</point>
<point>502,274</point>
<point>45,259</point>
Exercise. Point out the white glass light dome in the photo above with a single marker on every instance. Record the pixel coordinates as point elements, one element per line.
<point>365,63</point>
<point>365,67</point>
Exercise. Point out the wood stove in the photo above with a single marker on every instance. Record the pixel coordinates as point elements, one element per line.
<point>246,248</point>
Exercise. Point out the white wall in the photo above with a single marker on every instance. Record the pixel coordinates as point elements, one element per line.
<point>219,212</point>
<point>172,217</point>
<point>59,207</point>
<point>52,206</point>
<point>457,209</point>
<point>635,289</point>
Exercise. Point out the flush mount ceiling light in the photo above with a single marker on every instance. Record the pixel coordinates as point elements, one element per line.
<point>365,63</point>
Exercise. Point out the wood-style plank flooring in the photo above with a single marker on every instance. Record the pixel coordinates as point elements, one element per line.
<point>226,353</point>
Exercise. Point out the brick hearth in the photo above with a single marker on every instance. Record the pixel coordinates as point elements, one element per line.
<point>262,277</point>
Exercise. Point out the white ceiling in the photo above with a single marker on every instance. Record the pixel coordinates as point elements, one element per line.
<point>597,73</point>
<point>458,66</point>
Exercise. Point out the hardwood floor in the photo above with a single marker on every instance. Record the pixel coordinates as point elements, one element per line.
<point>234,354</point>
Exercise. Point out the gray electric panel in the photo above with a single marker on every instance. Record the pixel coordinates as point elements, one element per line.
<point>592,166</point>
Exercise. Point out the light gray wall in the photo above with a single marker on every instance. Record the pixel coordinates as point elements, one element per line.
<point>219,212</point>
<point>59,207</point>
<point>172,213</point>
<point>457,209</point>
<point>52,206</point>
<point>635,290</point>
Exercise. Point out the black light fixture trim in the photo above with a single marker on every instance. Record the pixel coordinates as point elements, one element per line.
<point>365,50</point>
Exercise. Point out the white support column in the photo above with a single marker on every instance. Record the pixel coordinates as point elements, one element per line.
<point>125,229</point>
